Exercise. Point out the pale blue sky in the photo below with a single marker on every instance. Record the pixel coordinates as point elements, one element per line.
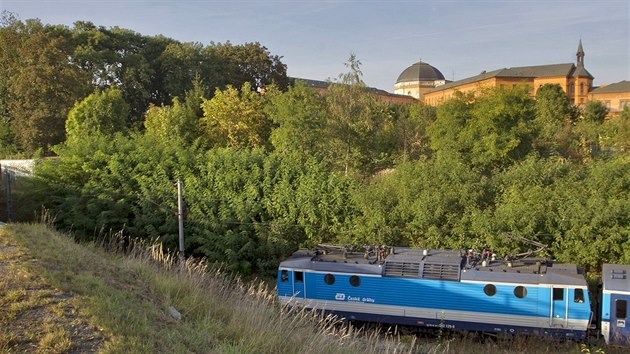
<point>459,37</point>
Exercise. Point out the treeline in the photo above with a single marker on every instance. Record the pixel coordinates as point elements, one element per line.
<point>269,170</point>
<point>45,69</point>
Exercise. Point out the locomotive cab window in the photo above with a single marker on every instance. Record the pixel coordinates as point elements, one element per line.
<point>355,281</point>
<point>520,292</point>
<point>284,275</point>
<point>558,294</point>
<point>490,289</point>
<point>578,296</point>
<point>299,277</point>
<point>621,309</point>
<point>329,279</point>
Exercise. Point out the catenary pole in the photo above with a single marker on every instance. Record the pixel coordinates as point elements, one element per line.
<point>180,217</point>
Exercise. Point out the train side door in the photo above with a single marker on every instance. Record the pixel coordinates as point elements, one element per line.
<point>559,307</point>
<point>299,289</point>
<point>619,321</point>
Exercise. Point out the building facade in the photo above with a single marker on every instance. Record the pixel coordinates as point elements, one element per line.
<point>574,79</point>
<point>614,96</point>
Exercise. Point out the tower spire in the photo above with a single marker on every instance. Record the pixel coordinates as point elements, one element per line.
<point>580,54</point>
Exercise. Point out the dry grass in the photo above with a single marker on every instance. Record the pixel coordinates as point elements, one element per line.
<point>35,316</point>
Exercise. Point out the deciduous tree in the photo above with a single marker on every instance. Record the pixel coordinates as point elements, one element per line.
<point>299,115</point>
<point>44,85</point>
<point>102,112</point>
<point>236,118</point>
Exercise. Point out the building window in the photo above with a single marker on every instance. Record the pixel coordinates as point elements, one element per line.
<point>329,279</point>
<point>623,104</point>
<point>299,277</point>
<point>355,281</point>
<point>558,294</point>
<point>490,289</point>
<point>284,275</point>
<point>581,88</point>
<point>621,309</point>
<point>578,296</point>
<point>572,89</point>
<point>520,292</point>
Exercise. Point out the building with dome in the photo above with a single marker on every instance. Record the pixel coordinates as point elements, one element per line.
<point>574,79</point>
<point>418,79</point>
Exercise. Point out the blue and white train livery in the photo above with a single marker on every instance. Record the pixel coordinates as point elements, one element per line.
<point>615,297</point>
<point>442,288</point>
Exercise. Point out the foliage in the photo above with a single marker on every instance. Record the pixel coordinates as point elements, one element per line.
<point>355,117</point>
<point>299,116</point>
<point>235,118</point>
<point>553,122</point>
<point>102,112</point>
<point>410,130</point>
<point>39,84</point>
<point>499,133</point>
<point>45,69</point>
<point>433,203</point>
<point>266,171</point>
<point>246,208</point>
<point>445,132</point>
<point>595,111</point>
<point>178,122</point>
<point>253,63</point>
<point>490,132</point>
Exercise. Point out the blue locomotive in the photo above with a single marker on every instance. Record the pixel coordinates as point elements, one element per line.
<point>455,290</point>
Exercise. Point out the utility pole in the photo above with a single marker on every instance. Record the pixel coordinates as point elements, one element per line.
<point>180,217</point>
<point>7,187</point>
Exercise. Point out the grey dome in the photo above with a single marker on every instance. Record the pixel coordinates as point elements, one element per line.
<point>420,72</point>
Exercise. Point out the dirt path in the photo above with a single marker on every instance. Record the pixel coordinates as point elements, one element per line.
<point>35,316</point>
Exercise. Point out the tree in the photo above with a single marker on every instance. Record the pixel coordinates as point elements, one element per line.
<point>489,132</point>
<point>253,63</point>
<point>354,116</point>
<point>411,127</point>
<point>445,132</point>
<point>499,133</point>
<point>179,121</point>
<point>9,39</point>
<point>236,118</point>
<point>553,122</point>
<point>299,115</point>
<point>595,111</point>
<point>102,112</point>
<point>181,64</point>
<point>123,58</point>
<point>43,86</point>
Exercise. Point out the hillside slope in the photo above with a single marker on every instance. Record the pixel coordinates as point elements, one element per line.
<point>60,296</point>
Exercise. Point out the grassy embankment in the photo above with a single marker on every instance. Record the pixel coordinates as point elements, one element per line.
<point>60,296</point>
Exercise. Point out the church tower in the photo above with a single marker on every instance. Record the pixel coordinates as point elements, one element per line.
<point>582,80</point>
<point>580,55</point>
